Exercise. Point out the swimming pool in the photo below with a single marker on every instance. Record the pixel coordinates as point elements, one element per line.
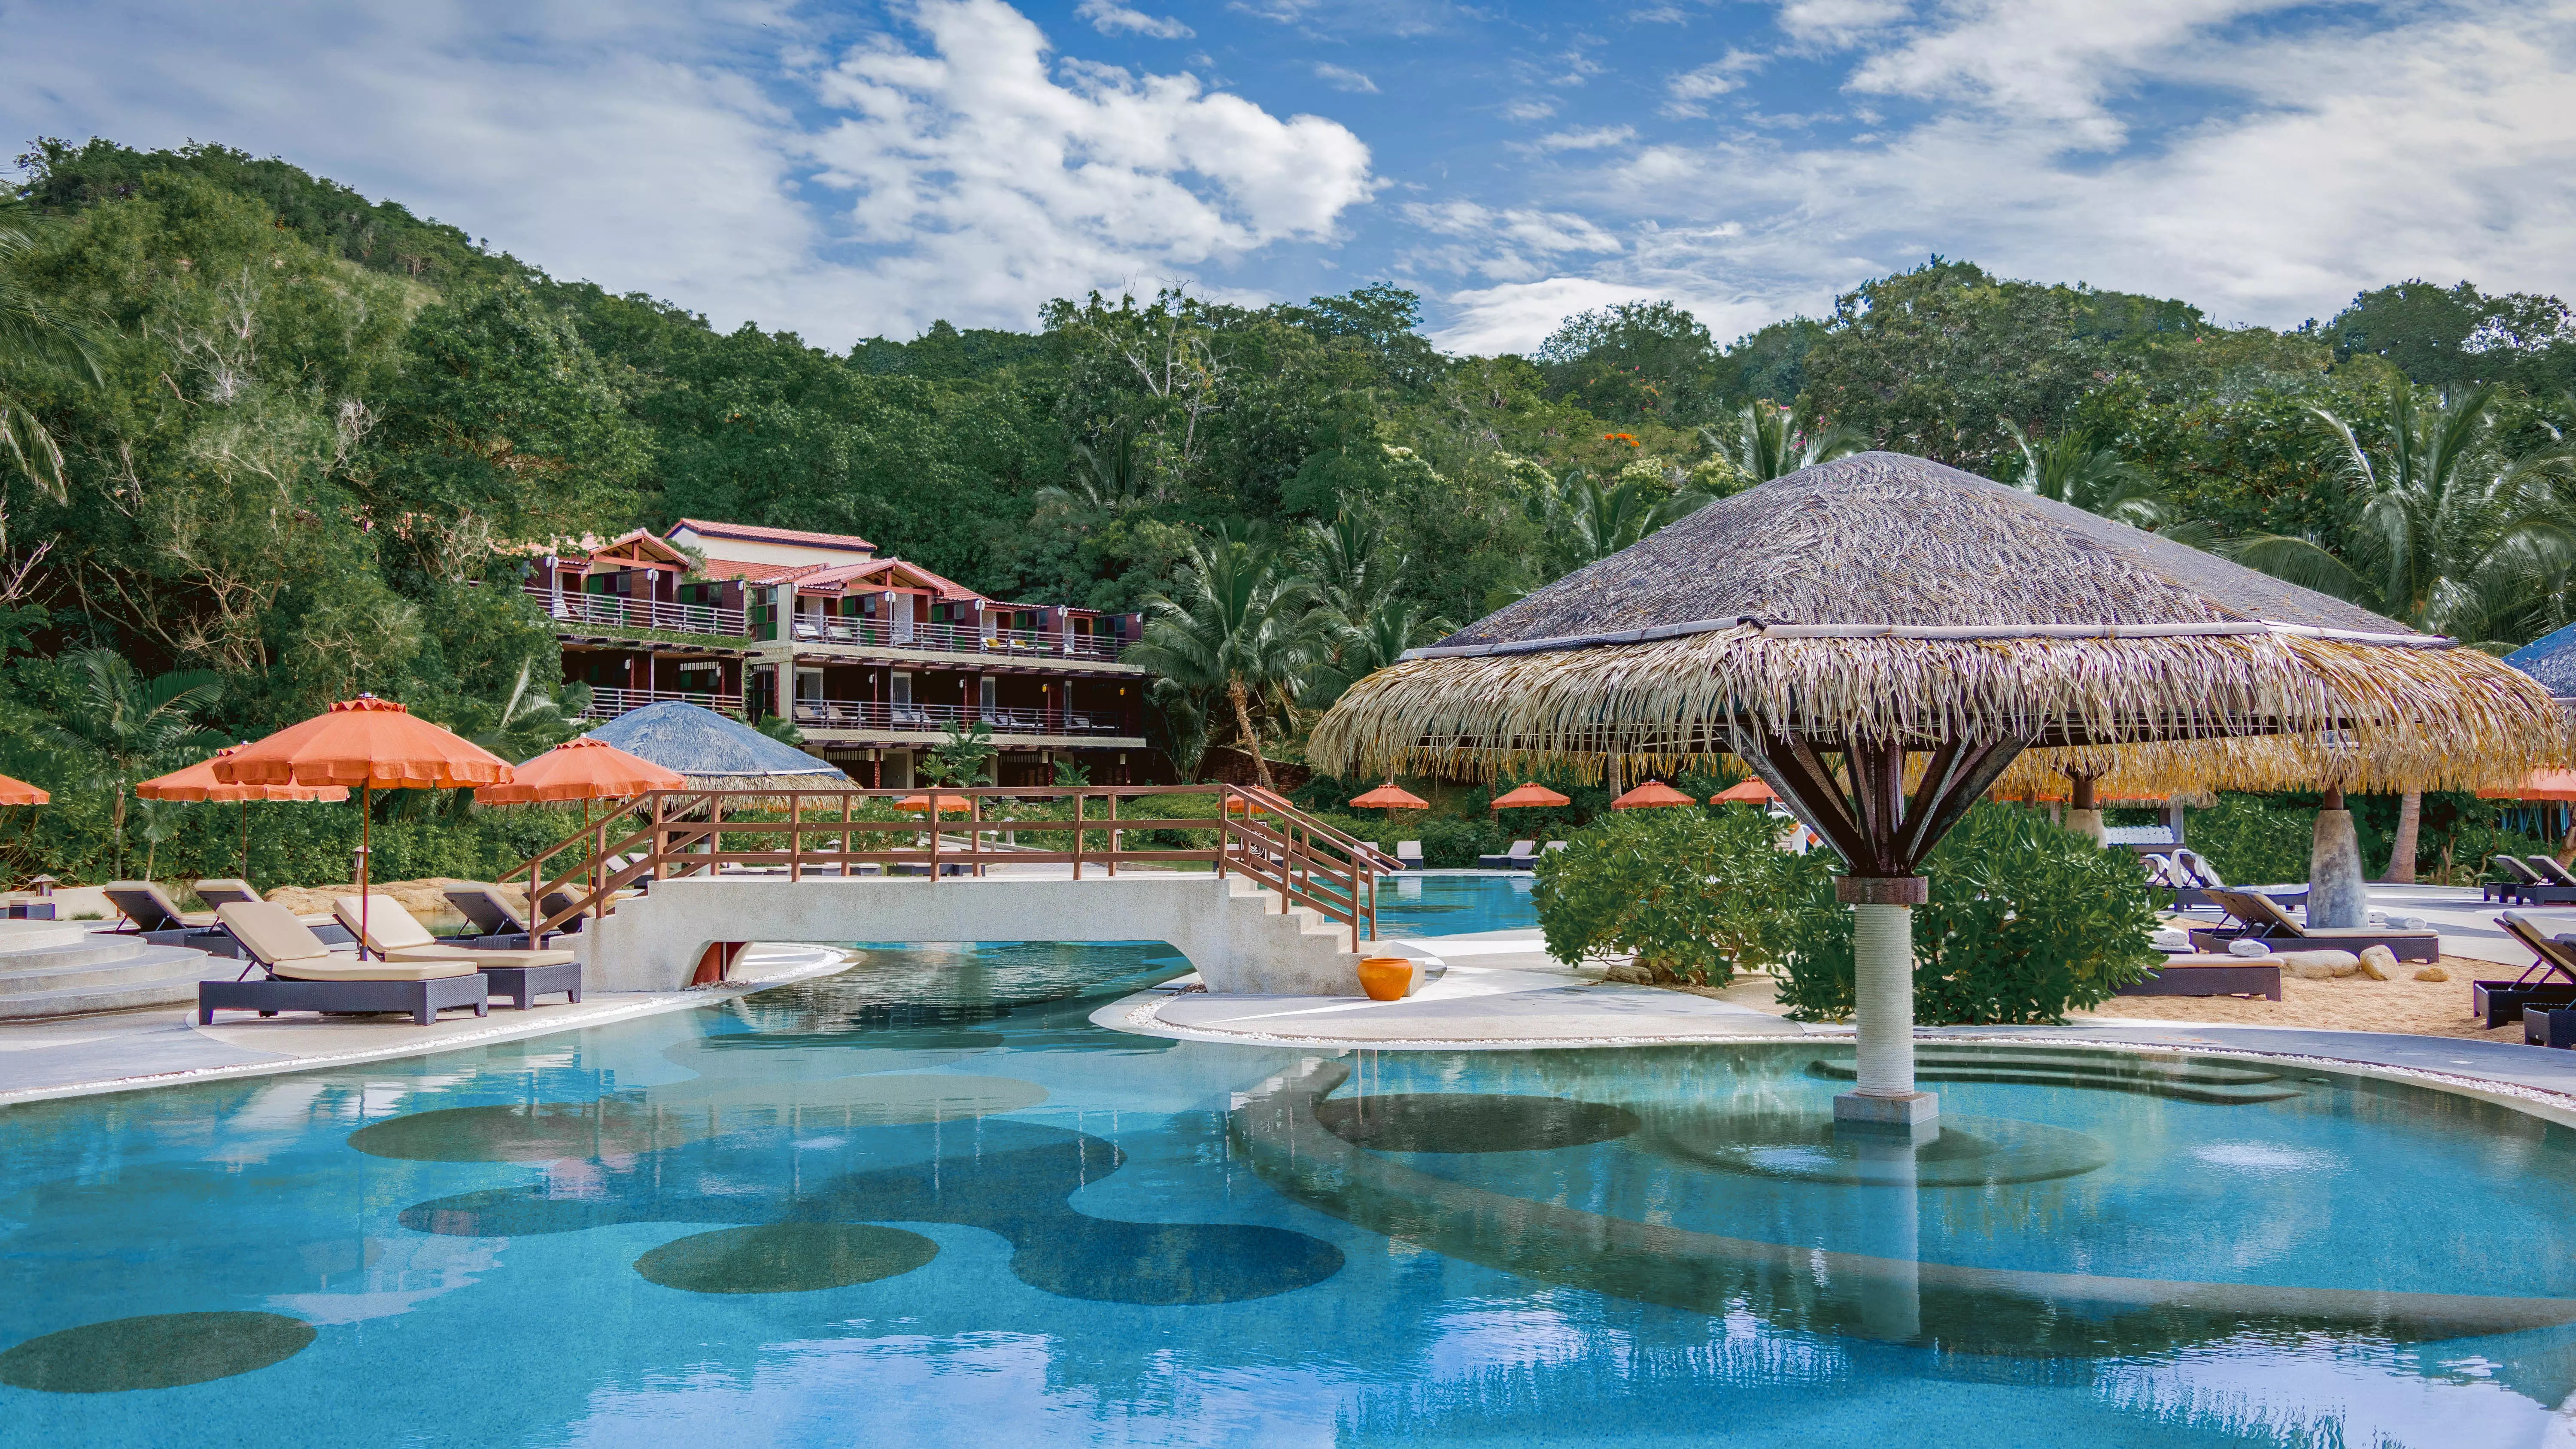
<point>1455,905</point>
<point>925,1201</point>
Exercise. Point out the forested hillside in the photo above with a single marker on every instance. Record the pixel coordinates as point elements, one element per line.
<point>265,430</point>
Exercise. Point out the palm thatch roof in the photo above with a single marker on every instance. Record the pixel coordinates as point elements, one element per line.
<point>2551,659</point>
<point>715,751</point>
<point>1894,602</point>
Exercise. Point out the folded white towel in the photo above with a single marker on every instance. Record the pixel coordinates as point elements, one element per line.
<point>2173,938</point>
<point>2248,948</point>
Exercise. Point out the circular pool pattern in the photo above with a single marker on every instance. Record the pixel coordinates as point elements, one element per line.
<point>1969,1151</point>
<point>1471,1122</point>
<point>785,1258</point>
<point>156,1351</point>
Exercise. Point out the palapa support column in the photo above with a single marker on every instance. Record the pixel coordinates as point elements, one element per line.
<point>2084,813</point>
<point>1859,805</point>
<point>2338,893</point>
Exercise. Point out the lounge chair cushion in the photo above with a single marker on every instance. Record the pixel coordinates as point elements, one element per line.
<point>389,928</point>
<point>271,934</point>
<point>491,912</point>
<point>342,968</point>
<point>225,889</point>
<point>478,956</point>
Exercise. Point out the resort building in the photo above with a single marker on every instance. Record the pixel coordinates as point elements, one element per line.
<point>875,659</point>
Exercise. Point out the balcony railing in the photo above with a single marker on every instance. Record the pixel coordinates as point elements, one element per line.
<point>606,703</point>
<point>623,613</point>
<point>955,638</point>
<point>855,714</point>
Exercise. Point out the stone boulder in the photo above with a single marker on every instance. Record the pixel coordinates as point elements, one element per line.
<point>2379,963</point>
<point>2316,965</point>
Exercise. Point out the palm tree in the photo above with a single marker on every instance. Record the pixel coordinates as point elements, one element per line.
<point>1586,522</point>
<point>1244,628</point>
<point>2074,469</point>
<point>2446,534</point>
<point>1371,645</point>
<point>1110,478</point>
<point>124,729</point>
<point>1353,569</point>
<point>1770,441</point>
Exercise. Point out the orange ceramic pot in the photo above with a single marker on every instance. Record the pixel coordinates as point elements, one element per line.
<point>1386,978</point>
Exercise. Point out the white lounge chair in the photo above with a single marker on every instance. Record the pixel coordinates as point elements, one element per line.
<point>399,937</point>
<point>303,974</point>
<point>1522,855</point>
<point>1408,854</point>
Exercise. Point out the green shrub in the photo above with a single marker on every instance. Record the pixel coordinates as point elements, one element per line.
<point>2252,843</point>
<point>2025,921</point>
<point>1692,894</point>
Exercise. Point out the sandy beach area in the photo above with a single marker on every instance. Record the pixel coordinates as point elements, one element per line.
<point>2343,1003</point>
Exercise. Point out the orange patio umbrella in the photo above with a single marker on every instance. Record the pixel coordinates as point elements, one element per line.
<point>198,783</point>
<point>1650,794</point>
<point>1751,791</point>
<point>1528,797</point>
<point>19,792</point>
<point>947,803</point>
<point>2543,785</point>
<point>373,744</point>
<point>1390,796</point>
<point>580,769</point>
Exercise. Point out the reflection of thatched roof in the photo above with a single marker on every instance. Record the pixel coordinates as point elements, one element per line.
<point>716,752</point>
<point>1887,598</point>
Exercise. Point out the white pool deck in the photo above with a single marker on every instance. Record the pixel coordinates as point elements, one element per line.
<point>1496,990</point>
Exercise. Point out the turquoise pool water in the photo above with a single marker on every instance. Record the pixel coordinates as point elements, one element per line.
<point>1454,905</point>
<point>925,1201</point>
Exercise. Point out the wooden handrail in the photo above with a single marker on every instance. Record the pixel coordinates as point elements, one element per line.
<point>1259,834</point>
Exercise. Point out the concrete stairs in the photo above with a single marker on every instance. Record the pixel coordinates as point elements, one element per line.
<point>1302,950</point>
<point>53,968</point>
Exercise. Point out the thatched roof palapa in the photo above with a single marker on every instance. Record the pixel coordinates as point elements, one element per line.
<point>1895,603</point>
<point>716,752</point>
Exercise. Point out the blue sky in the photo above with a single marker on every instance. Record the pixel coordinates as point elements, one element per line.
<point>847,170</point>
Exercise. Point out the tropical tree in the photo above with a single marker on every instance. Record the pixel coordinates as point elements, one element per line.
<point>1586,522</point>
<point>2076,469</point>
<point>122,729</point>
<point>2447,533</point>
<point>1354,570</point>
<point>1244,629</point>
<point>1767,441</point>
<point>1372,645</point>
<point>1111,475</point>
<point>34,334</point>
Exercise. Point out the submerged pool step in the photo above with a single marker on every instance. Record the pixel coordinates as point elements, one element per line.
<point>2184,1080</point>
<point>106,972</point>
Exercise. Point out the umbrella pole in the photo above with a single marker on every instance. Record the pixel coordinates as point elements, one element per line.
<point>366,827</point>
<point>245,838</point>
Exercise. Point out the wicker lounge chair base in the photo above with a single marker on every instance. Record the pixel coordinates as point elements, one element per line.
<point>2226,976</point>
<point>2501,1003</point>
<point>2408,945</point>
<point>423,999</point>
<point>524,984</point>
<point>2543,1027</point>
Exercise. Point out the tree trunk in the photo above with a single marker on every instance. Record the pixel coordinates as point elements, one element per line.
<point>1251,737</point>
<point>2401,851</point>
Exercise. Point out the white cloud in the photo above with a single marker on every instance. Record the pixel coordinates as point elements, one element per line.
<point>666,147</point>
<point>1727,73</point>
<point>1109,18</point>
<point>988,184</point>
<point>2436,141</point>
<point>1839,22</point>
<point>1594,138</point>
<point>1505,245</point>
<point>1536,108</point>
<point>1343,78</point>
<point>1517,316</point>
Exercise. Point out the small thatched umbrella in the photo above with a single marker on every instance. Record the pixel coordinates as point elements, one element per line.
<point>1825,626</point>
<point>716,752</point>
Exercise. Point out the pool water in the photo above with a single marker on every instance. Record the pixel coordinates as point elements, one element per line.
<point>1455,905</point>
<point>927,1201</point>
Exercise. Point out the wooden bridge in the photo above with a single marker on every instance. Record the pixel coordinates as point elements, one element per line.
<point>844,865</point>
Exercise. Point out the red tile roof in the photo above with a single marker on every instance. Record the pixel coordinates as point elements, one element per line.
<point>757,534</point>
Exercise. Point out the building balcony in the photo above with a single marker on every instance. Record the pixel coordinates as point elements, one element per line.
<point>956,638</point>
<point>614,612</point>
<point>853,714</point>
<point>608,703</point>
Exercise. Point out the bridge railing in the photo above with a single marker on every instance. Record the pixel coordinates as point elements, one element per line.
<point>836,834</point>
